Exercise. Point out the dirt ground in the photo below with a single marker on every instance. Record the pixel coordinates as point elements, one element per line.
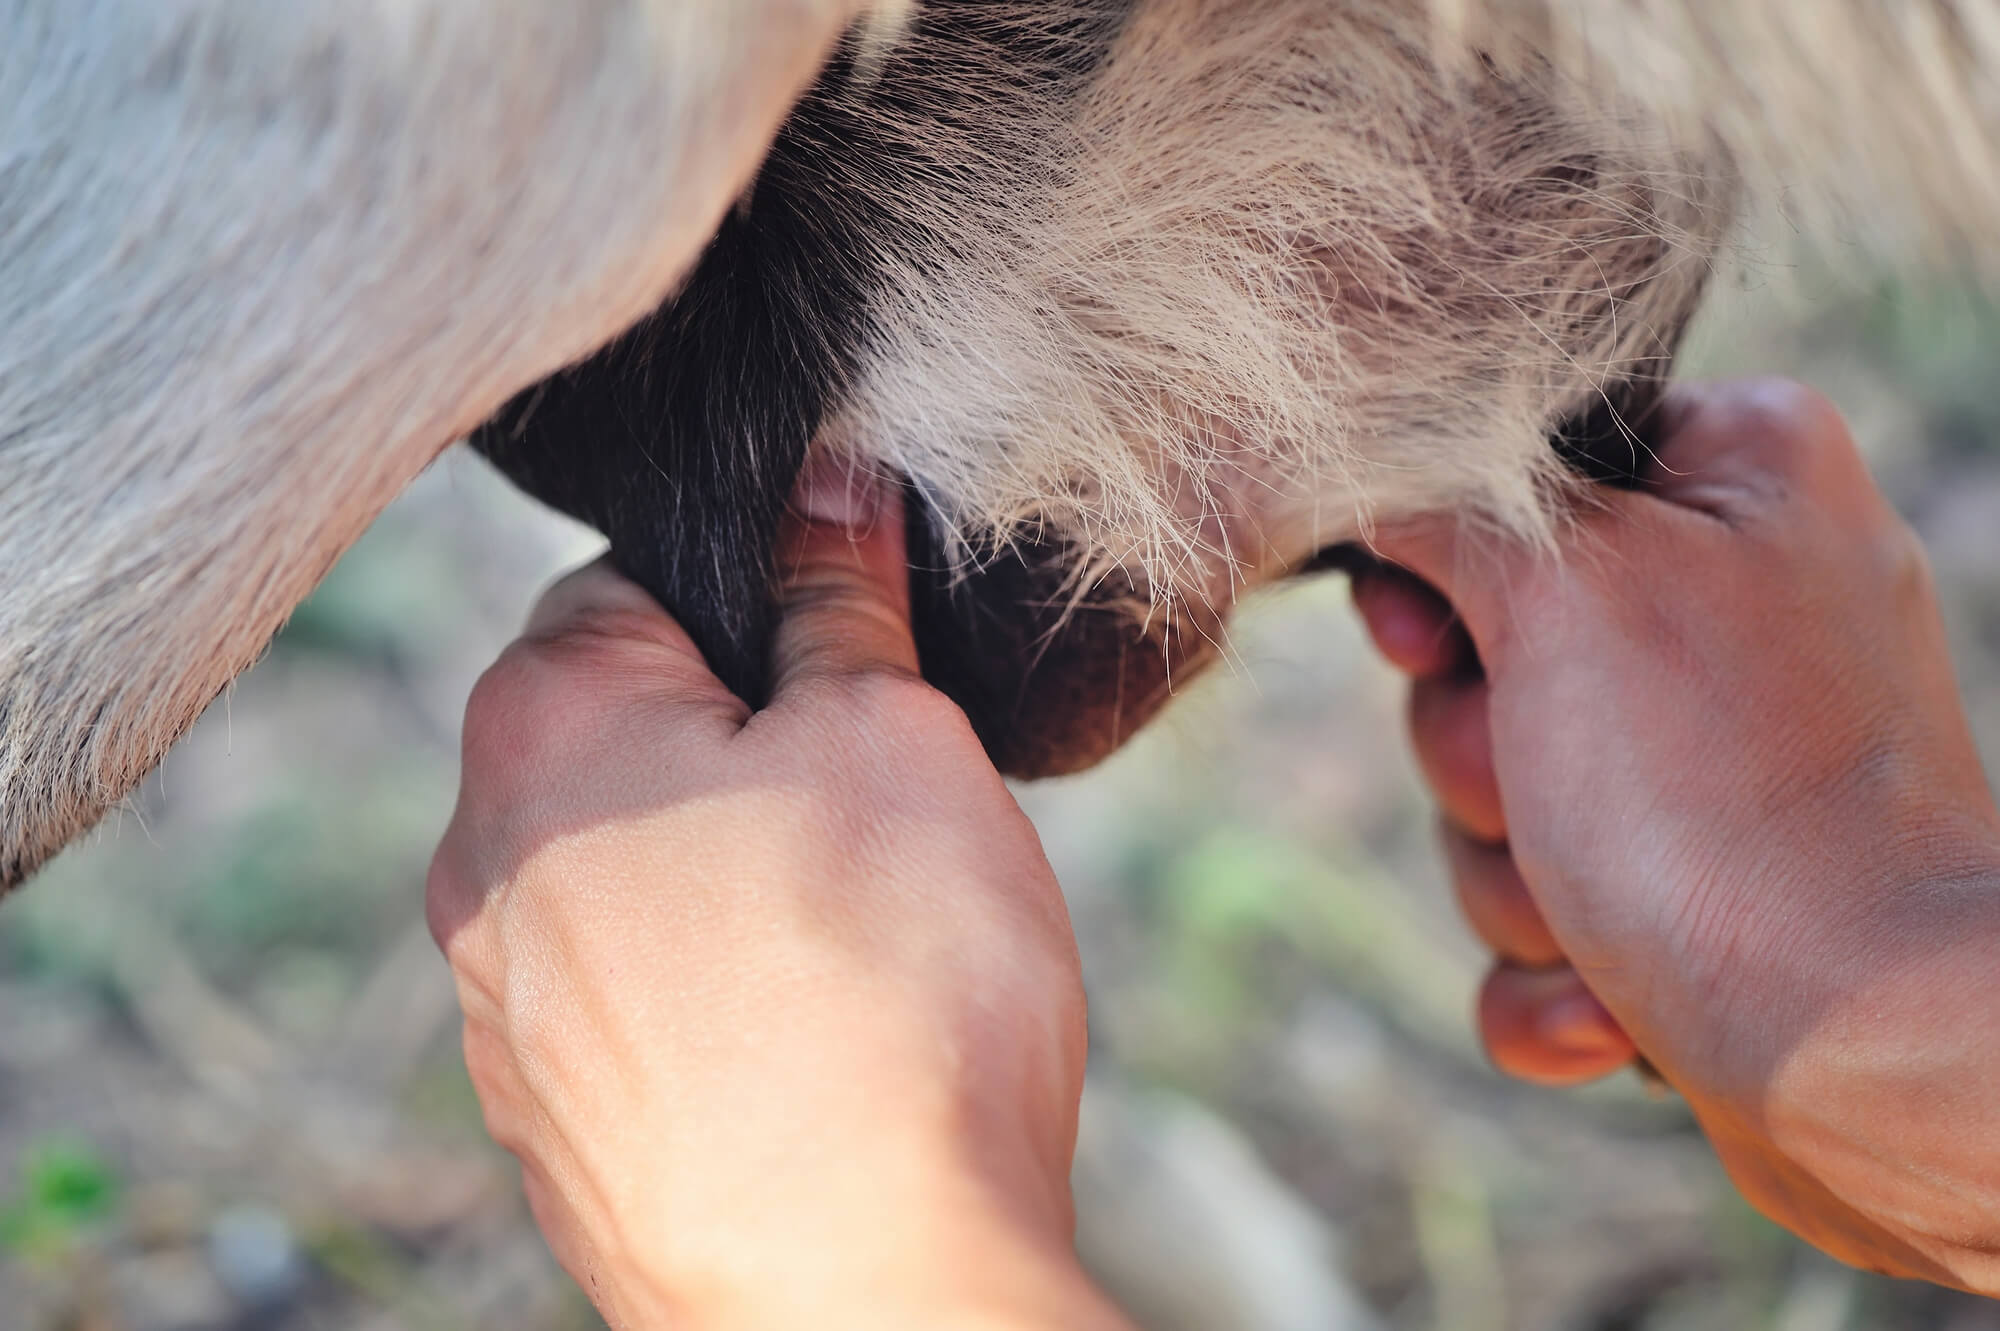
<point>231,1095</point>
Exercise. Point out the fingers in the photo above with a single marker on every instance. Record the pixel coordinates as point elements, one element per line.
<point>596,590</point>
<point>599,601</point>
<point>1454,743</point>
<point>1728,447</point>
<point>1412,626</point>
<point>602,691</point>
<point>1435,553</point>
<point>1496,902</point>
<point>1546,1027</point>
<point>1416,630</point>
<point>1537,1018</point>
<point>605,636</point>
<point>1727,451</point>
<point>1492,580</point>
<point>1737,462</point>
<point>844,595</point>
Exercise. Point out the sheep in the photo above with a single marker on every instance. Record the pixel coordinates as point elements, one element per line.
<point>1146,302</point>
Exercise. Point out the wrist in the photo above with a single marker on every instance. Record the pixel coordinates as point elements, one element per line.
<point>877,1244</point>
<point>967,1277</point>
<point>1885,1088</point>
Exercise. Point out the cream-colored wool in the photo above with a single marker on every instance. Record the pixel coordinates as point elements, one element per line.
<point>1282,269</point>
<point>1295,266</point>
<point>1280,273</point>
<point>1870,120</point>
<point>260,262</point>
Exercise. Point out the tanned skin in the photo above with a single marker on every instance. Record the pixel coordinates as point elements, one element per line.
<point>782,1013</point>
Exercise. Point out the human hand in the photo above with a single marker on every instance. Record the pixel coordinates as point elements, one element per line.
<point>1709,793</point>
<point>781,1012</point>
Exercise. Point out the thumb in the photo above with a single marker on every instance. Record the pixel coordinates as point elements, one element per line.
<point>844,578</point>
<point>1476,570</point>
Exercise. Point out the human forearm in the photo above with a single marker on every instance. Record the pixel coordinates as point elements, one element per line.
<point>1890,1095</point>
<point>1713,758</point>
<point>781,1012</point>
<point>937,1243</point>
<point>1003,1283</point>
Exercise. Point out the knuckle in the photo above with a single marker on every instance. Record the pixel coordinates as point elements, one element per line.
<point>487,1061</point>
<point>456,897</point>
<point>597,589</point>
<point>547,694</point>
<point>907,704</point>
<point>502,690</point>
<point>1903,560</point>
<point>832,607</point>
<point>1796,427</point>
<point>1783,411</point>
<point>533,677</point>
<point>595,651</point>
<point>520,708</point>
<point>444,903</point>
<point>819,575</point>
<point>897,713</point>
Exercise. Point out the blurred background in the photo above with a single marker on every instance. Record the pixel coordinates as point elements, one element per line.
<point>231,1095</point>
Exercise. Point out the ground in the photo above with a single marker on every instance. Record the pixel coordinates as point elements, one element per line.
<point>230,1088</point>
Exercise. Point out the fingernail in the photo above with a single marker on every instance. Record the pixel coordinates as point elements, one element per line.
<point>838,492</point>
<point>1577,1023</point>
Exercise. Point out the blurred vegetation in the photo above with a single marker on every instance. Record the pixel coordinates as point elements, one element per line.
<point>66,1190</point>
<point>231,1094</point>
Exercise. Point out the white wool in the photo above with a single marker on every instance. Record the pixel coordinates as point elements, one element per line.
<point>1280,274</point>
<point>261,261</point>
<point>1294,267</point>
<point>1869,120</point>
<point>1284,269</point>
